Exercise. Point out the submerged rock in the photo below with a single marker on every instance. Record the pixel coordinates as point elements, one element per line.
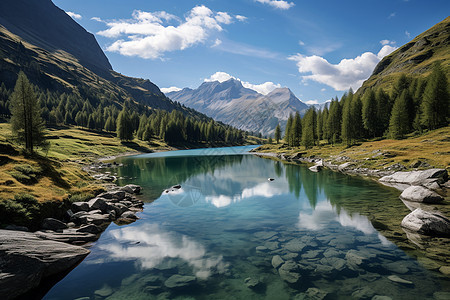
<point>179,281</point>
<point>290,272</point>
<point>26,260</point>
<point>312,294</point>
<point>277,261</point>
<point>398,279</point>
<point>252,283</point>
<point>428,223</point>
<point>420,194</point>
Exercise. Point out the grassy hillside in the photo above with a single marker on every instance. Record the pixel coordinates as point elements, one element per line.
<point>58,173</point>
<point>432,148</point>
<point>415,58</point>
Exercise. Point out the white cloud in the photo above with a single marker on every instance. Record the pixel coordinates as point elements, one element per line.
<point>280,4</point>
<point>241,18</point>
<point>323,90</point>
<point>301,43</point>
<point>97,19</point>
<point>217,42</point>
<point>391,15</point>
<point>312,102</point>
<point>387,42</point>
<point>408,34</point>
<point>347,73</point>
<point>74,15</point>
<point>150,34</point>
<point>170,89</point>
<point>263,88</point>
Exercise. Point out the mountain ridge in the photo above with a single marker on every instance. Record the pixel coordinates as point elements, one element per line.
<point>230,102</point>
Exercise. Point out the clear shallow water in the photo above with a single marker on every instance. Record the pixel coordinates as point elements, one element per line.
<point>227,223</point>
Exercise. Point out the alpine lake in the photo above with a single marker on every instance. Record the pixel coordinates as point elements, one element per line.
<point>230,233</point>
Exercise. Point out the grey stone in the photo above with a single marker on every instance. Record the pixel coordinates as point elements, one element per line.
<point>252,283</point>
<point>98,219</point>
<point>346,166</point>
<point>134,188</point>
<point>354,259</point>
<point>15,227</point>
<point>363,293</point>
<point>91,228</point>
<point>129,215</point>
<point>416,177</point>
<point>97,203</point>
<point>271,245</point>
<point>379,297</point>
<point>428,223</point>
<point>420,194</point>
<point>315,168</point>
<point>79,206</point>
<point>330,252</point>
<point>295,245</point>
<point>313,294</point>
<point>179,281</point>
<point>105,291</point>
<point>265,235</point>
<point>67,237</point>
<point>26,260</point>
<point>397,267</point>
<point>261,249</point>
<point>53,224</point>
<point>441,295</point>
<point>290,272</point>
<point>397,279</point>
<point>277,261</point>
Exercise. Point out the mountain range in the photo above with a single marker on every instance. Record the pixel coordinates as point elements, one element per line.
<point>230,102</point>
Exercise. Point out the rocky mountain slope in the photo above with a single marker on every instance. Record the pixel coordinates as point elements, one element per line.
<point>415,58</point>
<point>56,53</point>
<point>241,107</point>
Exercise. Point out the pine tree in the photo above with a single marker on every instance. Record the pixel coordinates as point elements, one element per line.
<point>124,126</point>
<point>287,132</point>
<point>334,121</point>
<point>26,122</point>
<point>436,100</point>
<point>296,130</point>
<point>383,113</point>
<point>369,113</point>
<point>347,126</point>
<point>277,133</point>
<point>356,117</point>
<point>398,124</point>
<point>309,135</point>
<point>324,120</point>
<point>109,125</point>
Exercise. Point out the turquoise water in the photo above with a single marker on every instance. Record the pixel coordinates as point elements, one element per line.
<point>222,233</point>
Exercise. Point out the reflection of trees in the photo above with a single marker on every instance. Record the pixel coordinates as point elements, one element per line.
<point>278,168</point>
<point>159,173</point>
<point>293,177</point>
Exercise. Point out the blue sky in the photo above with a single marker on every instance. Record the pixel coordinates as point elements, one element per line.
<point>318,49</point>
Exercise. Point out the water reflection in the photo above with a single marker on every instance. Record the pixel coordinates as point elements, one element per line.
<point>151,247</point>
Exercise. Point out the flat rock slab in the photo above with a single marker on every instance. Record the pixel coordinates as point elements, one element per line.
<point>416,177</point>
<point>68,236</point>
<point>27,259</point>
<point>428,223</point>
<point>398,279</point>
<point>420,194</point>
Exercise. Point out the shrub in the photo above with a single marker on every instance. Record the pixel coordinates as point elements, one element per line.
<point>25,173</point>
<point>12,212</point>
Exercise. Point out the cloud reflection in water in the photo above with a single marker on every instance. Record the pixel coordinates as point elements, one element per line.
<point>156,246</point>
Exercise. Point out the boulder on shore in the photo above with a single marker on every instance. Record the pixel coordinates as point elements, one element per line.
<point>428,223</point>
<point>420,194</point>
<point>315,168</point>
<point>417,177</point>
<point>53,224</point>
<point>26,260</point>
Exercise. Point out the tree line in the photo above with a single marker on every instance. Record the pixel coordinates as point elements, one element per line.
<point>30,110</point>
<point>414,105</point>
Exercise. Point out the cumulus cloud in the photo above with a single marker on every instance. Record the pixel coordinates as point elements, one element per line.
<point>301,43</point>
<point>97,19</point>
<point>217,42</point>
<point>150,34</point>
<point>74,15</point>
<point>170,89</point>
<point>280,4</point>
<point>387,42</point>
<point>241,18</point>
<point>348,73</point>
<point>263,88</point>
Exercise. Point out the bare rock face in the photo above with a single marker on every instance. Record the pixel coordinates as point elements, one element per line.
<point>26,260</point>
<point>428,223</point>
<point>420,194</point>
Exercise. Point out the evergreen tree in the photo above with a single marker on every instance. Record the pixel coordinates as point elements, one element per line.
<point>277,133</point>
<point>398,124</point>
<point>109,125</point>
<point>347,126</point>
<point>369,112</point>
<point>324,120</point>
<point>26,122</point>
<point>356,117</point>
<point>124,125</point>
<point>435,105</point>
<point>287,131</point>
<point>296,130</point>
<point>334,122</point>
<point>309,135</point>
<point>383,113</point>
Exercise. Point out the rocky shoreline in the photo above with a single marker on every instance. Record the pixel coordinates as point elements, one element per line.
<point>28,258</point>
